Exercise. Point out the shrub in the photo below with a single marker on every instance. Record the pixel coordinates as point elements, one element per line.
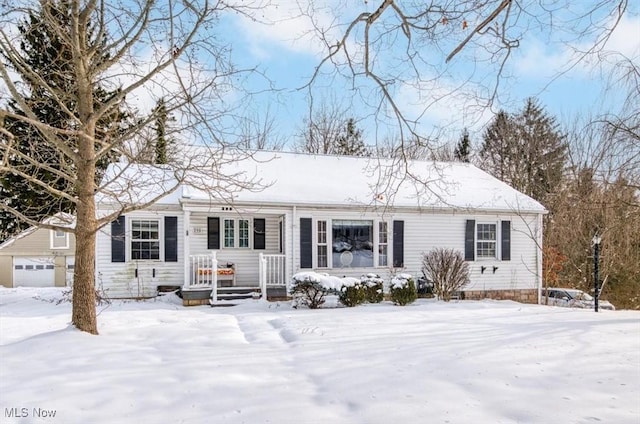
<point>311,288</point>
<point>448,271</point>
<point>353,293</point>
<point>373,288</point>
<point>403,290</point>
<point>308,292</point>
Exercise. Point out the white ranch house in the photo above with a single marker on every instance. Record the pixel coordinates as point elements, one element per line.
<point>345,216</point>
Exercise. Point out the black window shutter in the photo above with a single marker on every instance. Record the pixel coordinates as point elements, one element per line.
<point>470,241</point>
<point>213,233</point>
<point>259,241</point>
<point>306,244</point>
<point>506,240</point>
<point>118,240</point>
<point>398,244</point>
<point>171,239</point>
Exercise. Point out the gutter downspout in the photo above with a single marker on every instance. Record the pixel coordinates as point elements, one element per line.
<point>539,258</point>
<point>185,248</point>
<point>293,243</point>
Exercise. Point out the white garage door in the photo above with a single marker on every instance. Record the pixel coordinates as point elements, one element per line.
<point>34,272</point>
<point>70,266</point>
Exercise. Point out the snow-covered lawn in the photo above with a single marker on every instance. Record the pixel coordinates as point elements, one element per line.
<point>430,362</point>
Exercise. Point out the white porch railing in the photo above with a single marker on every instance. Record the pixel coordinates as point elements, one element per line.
<point>203,273</point>
<point>272,272</point>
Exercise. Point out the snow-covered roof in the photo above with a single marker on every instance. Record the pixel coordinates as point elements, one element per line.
<point>326,180</point>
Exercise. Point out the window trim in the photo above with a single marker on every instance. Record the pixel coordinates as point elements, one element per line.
<point>496,255</point>
<point>324,244</point>
<point>236,233</point>
<point>375,236</point>
<point>378,244</point>
<point>53,236</point>
<point>160,239</point>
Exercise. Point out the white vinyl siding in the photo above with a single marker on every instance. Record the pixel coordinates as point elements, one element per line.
<point>120,277</point>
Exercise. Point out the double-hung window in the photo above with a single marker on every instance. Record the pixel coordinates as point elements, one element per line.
<point>236,238</point>
<point>486,241</point>
<point>383,243</point>
<point>145,239</point>
<point>323,261</point>
<point>243,233</point>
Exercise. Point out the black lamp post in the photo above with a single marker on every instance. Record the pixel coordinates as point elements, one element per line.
<point>596,252</point>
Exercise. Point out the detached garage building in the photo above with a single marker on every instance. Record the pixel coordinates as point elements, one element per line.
<point>38,257</point>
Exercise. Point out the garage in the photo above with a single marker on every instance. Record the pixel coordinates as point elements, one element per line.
<point>34,272</point>
<point>70,263</point>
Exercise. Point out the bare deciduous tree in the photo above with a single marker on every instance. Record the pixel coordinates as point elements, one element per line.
<point>389,49</point>
<point>148,50</point>
<point>448,271</point>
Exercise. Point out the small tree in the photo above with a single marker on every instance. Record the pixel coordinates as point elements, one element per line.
<point>307,289</point>
<point>463,149</point>
<point>403,290</point>
<point>448,271</point>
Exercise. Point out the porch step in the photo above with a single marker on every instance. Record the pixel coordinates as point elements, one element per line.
<point>235,293</point>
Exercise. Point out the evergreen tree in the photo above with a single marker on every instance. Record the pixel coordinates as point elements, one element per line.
<point>162,144</point>
<point>463,149</point>
<point>350,143</point>
<point>43,50</point>
<point>526,150</point>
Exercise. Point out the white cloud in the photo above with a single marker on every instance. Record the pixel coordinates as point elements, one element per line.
<point>286,25</point>
<point>625,39</point>
<point>540,60</point>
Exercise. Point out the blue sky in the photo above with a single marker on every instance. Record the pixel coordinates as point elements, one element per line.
<point>287,51</point>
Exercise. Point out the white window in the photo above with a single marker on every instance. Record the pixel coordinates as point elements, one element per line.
<point>145,239</point>
<point>236,233</point>
<point>383,243</point>
<point>352,243</point>
<point>243,233</point>
<point>229,233</point>
<point>59,239</point>
<point>322,245</point>
<point>486,241</point>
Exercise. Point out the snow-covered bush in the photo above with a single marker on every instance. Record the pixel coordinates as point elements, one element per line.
<point>403,289</point>
<point>353,293</point>
<point>311,288</point>
<point>373,288</point>
<point>308,292</point>
<point>448,271</point>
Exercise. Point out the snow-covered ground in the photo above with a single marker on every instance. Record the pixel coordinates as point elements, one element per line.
<point>430,362</point>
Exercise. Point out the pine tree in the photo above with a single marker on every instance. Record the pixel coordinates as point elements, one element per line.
<point>44,51</point>
<point>463,149</point>
<point>162,143</point>
<point>350,142</point>
<point>526,150</point>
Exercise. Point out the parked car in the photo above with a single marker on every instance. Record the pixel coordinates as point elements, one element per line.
<point>573,298</point>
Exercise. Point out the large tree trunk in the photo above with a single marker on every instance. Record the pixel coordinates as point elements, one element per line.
<point>84,303</point>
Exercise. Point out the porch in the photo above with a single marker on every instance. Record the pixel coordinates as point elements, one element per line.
<point>210,280</point>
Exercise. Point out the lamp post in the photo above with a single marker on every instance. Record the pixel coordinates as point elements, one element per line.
<point>596,252</point>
